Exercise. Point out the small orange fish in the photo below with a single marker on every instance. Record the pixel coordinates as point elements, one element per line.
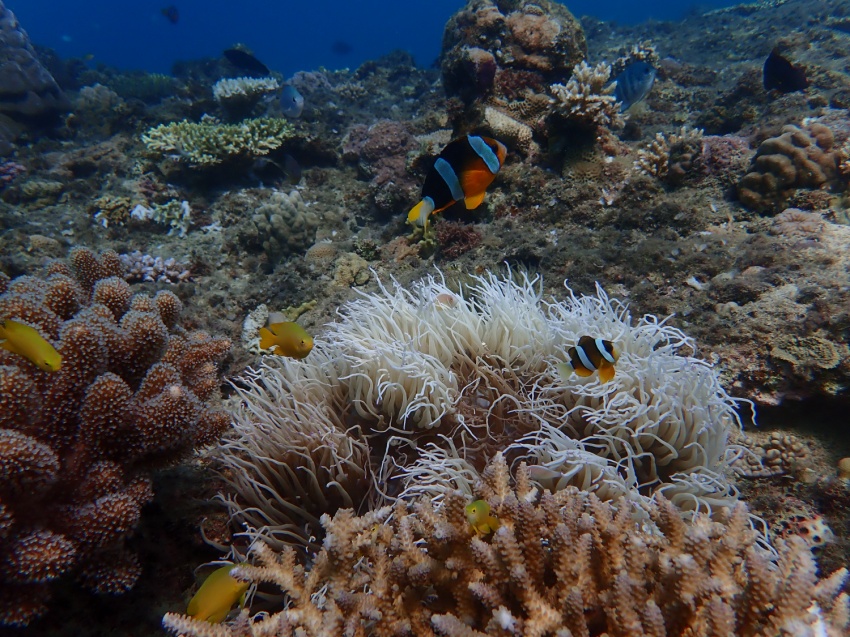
<point>25,341</point>
<point>286,339</point>
<point>589,355</point>
<point>478,516</point>
<point>217,595</point>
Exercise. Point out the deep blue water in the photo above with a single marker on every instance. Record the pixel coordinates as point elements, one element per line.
<point>287,36</point>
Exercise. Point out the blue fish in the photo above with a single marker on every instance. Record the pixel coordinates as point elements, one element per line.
<point>291,101</point>
<point>633,84</point>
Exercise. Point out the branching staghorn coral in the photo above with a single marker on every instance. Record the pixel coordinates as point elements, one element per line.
<point>670,157</point>
<point>429,383</point>
<point>588,98</point>
<point>562,564</point>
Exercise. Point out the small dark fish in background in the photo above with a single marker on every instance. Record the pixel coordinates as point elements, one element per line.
<point>171,14</point>
<point>292,169</point>
<point>341,47</point>
<point>633,84</point>
<point>780,75</point>
<point>291,102</point>
<point>244,61</point>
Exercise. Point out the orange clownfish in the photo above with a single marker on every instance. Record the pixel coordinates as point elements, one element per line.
<point>589,355</point>
<point>462,172</point>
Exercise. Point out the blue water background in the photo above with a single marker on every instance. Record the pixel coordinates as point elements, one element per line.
<point>287,36</point>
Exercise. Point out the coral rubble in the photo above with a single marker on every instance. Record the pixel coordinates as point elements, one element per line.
<point>562,564</point>
<point>134,392</point>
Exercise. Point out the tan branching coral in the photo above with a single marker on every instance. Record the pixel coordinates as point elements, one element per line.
<point>588,97</point>
<point>77,444</point>
<point>798,158</point>
<point>672,156</point>
<point>563,564</point>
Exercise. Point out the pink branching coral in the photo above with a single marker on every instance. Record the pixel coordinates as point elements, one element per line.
<point>134,391</point>
<point>558,564</point>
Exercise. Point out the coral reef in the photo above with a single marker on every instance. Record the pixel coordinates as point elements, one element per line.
<point>557,564</point>
<point>427,384</point>
<point>208,144</point>
<point>672,157</point>
<point>144,267</point>
<point>176,215</point>
<point>587,100</point>
<point>134,392</point>
<point>238,95</point>
<point>279,227</point>
<point>798,158</point>
<point>28,93</point>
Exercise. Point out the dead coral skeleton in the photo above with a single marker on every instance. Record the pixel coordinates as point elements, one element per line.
<point>565,564</point>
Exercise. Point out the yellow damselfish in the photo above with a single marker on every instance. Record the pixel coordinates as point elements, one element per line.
<point>217,595</point>
<point>286,339</point>
<point>478,515</point>
<point>25,341</point>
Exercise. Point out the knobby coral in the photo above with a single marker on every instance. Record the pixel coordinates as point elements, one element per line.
<point>134,391</point>
<point>411,391</point>
<point>588,98</point>
<point>559,564</point>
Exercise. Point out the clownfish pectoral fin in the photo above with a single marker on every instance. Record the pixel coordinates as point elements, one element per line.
<point>583,372</point>
<point>606,373</point>
<point>267,338</point>
<point>564,371</point>
<point>473,201</point>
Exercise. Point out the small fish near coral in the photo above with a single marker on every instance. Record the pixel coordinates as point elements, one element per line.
<point>25,341</point>
<point>246,62</point>
<point>286,339</point>
<point>633,84</point>
<point>479,518</point>
<point>291,102</point>
<point>217,595</point>
<point>781,75</point>
<point>171,13</point>
<point>463,171</point>
<point>589,355</point>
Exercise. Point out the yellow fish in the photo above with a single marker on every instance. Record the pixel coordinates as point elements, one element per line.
<point>25,341</point>
<point>217,595</point>
<point>478,515</point>
<point>286,339</point>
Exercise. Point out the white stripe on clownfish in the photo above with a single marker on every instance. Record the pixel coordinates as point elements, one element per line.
<point>585,360</point>
<point>485,153</point>
<point>448,174</point>
<point>605,354</point>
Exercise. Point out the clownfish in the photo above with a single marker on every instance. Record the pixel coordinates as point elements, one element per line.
<point>25,341</point>
<point>217,595</point>
<point>479,518</point>
<point>589,355</point>
<point>462,172</point>
<point>286,339</point>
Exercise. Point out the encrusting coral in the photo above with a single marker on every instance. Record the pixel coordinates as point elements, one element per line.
<point>411,391</point>
<point>134,391</point>
<point>558,564</point>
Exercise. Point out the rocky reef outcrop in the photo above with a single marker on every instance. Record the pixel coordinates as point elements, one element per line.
<point>28,93</point>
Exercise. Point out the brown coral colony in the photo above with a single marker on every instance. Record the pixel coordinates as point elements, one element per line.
<point>76,446</point>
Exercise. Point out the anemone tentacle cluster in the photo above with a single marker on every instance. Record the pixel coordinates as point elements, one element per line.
<point>134,391</point>
<point>411,391</point>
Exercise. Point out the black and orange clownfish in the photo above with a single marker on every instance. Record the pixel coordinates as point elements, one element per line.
<point>589,355</point>
<point>462,172</point>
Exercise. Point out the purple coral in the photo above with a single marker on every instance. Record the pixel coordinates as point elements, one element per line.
<point>144,267</point>
<point>9,170</point>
